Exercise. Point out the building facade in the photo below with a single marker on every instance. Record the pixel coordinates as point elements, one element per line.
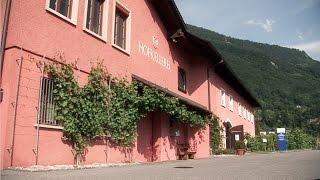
<point>143,40</point>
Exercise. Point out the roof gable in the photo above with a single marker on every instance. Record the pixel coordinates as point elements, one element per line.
<point>178,32</point>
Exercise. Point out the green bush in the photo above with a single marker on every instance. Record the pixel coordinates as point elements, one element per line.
<point>223,151</point>
<point>256,143</point>
<point>297,139</point>
<point>240,145</point>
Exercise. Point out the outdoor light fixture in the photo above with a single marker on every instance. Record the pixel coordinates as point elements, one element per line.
<point>179,33</point>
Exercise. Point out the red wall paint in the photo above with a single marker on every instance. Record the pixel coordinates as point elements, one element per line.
<point>39,31</point>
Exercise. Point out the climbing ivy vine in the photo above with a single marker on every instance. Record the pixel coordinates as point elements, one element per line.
<point>109,106</point>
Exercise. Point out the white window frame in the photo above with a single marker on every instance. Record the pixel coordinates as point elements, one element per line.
<point>105,21</point>
<point>248,115</point>
<point>245,113</point>
<point>74,12</point>
<point>239,109</point>
<point>252,117</point>
<point>117,3</point>
<point>231,102</point>
<point>223,98</point>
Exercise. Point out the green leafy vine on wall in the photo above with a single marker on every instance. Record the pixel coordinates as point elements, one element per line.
<point>108,106</point>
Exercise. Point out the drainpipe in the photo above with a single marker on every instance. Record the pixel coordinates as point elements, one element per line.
<point>4,38</point>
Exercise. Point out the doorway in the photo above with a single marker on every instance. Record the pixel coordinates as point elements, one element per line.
<point>228,127</point>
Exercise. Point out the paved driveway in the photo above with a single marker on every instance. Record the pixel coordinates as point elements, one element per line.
<point>290,165</point>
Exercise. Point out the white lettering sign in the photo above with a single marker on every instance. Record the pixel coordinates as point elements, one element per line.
<point>237,137</point>
<point>154,56</point>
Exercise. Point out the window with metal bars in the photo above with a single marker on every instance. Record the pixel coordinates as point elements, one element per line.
<point>46,103</point>
<point>94,16</point>
<point>120,28</point>
<point>63,7</point>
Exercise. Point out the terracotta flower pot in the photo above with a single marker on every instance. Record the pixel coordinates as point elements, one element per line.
<point>240,152</point>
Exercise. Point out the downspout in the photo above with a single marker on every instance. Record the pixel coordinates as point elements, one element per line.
<point>4,38</point>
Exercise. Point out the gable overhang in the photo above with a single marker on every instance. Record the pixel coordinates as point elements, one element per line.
<point>173,21</point>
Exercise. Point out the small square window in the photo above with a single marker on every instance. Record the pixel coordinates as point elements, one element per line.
<point>64,7</point>
<point>182,80</point>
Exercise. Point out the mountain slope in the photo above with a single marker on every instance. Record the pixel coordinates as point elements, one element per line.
<point>286,81</point>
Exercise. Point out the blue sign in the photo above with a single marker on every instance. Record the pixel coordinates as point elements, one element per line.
<point>282,142</point>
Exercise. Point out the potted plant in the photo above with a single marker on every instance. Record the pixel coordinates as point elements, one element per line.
<point>240,148</point>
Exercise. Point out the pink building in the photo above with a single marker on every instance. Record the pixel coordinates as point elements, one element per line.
<point>145,40</point>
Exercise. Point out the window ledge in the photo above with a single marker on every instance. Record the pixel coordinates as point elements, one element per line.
<point>61,16</point>
<point>121,49</point>
<point>104,39</point>
<point>48,126</point>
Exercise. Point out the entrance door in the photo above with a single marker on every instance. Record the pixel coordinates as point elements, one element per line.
<point>228,136</point>
<point>236,131</point>
<point>145,139</point>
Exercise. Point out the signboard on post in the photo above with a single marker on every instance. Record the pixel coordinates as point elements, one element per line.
<point>281,139</point>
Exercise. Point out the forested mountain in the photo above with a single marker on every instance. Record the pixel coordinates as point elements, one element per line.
<point>285,81</point>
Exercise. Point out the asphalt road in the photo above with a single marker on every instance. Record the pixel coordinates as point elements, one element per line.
<point>289,165</point>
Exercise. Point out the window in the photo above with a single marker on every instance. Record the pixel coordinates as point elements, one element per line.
<point>239,109</point>
<point>223,97</point>
<point>122,27</point>
<point>182,80</point>
<point>244,113</point>
<point>252,118</point>
<point>46,103</point>
<point>65,9</point>
<point>231,103</point>
<point>96,18</point>
<point>248,116</point>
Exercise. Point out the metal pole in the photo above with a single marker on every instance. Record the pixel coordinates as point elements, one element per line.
<point>38,115</point>
<point>16,109</point>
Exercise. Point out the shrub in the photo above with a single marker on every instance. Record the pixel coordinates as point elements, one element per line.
<point>256,143</point>
<point>223,151</point>
<point>297,139</point>
<point>240,145</point>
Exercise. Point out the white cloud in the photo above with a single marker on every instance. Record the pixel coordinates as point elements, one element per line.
<point>300,36</point>
<point>312,48</point>
<point>309,47</point>
<point>267,25</point>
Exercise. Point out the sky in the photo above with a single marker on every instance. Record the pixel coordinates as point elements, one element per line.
<point>289,23</point>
